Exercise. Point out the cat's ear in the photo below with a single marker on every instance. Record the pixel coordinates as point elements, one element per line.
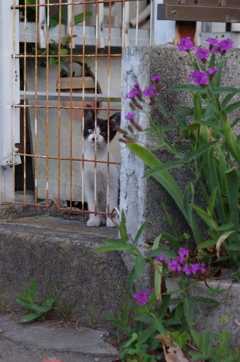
<point>115,121</point>
<point>88,114</point>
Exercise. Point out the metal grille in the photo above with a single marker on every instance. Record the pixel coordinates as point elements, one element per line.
<point>69,54</point>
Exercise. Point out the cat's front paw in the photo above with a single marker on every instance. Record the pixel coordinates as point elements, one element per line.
<point>110,223</point>
<point>94,220</point>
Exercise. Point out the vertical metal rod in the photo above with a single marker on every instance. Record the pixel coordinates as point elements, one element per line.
<point>35,148</point>
<point>136,29</point>
<point>71,5</point>
<point>47,102</point>
<point>25,98</point>
<point>83,97</point>
<point>95,146</point>
<point>59,105</point>
<point>16,96</point>
<point>70,23</point>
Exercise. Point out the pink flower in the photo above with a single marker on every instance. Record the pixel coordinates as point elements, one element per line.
<point>142,296</point>
<point>202,53</point>
<point>160,257</point>
<point>156,78</point>
<point>149,91</point>
<point>199,77</point>
<point>130,115</point>
<point>212,41</point>
<point>212,70</point>
<point>186,44</point>
<point>225,44</point>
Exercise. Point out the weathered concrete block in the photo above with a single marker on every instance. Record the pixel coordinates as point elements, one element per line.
<point>228,307</point>
<point>58,252</point>
<point>141,198</point>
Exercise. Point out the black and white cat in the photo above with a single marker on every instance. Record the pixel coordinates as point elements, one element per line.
<point>100,137</point>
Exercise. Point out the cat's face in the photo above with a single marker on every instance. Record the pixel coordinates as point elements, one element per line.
<point>99,134</point>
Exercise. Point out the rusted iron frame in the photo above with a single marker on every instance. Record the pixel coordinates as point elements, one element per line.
<point>36,109</point>
<point>71,4</point>
<point>66,158</point>
<point>59,107</point>
<point>63,107</point>
<point>75,3</point>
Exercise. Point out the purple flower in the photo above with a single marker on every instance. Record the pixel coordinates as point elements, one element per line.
<point>212,70</point>
<point>160,257</point>
<point>187,269</point>
<point>130,116</point>
<point>156,78</point>
<point>159,105</point>
<point>183,252</point>
<point>174,265</point>
<point>149,91</point>
<point>225,44</point>
<point>195,268</point>
<point>202,53</point>
<point>186,44</point>
<point>132,94</point>
<point>142,296</point>
<point>202,268</point>
<point>1,320</point>
<point>212,41</point>
<point>199,77</point>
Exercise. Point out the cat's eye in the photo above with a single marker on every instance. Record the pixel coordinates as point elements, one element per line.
<point>90,131</point>
<point>103,134</point>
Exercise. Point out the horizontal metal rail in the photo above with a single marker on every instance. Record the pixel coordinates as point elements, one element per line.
<point>90,35</point>
<point>54,96</point>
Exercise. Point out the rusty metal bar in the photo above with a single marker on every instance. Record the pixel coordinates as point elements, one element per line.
<point>198,13</point>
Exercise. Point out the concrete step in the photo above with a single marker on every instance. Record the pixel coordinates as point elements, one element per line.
<point>57,250</point>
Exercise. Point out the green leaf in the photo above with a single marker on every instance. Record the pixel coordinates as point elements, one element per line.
<point>83,16</point>
<point>196,337</point>
<point>231,143</point>
<point>181,338</point>
<point>49,302</point>
<point>26,305</point>
<point>188,87</point>
<point>174,292</point>
<point>220,90</point>
<point>146,318</point>
<point>166,166</point>
<point>200,150</point>
<point>132,339</point>
<point>197,107</point>
<point>126,329</point>
<point>169,238</point>
<point>162,310</point>
<point>167,181</point>
<point>168,253</point>
<point>188,310</point>
<point>42,309</point>
<point>140,231</point>
<point>102,249</point>
<point>232,182</point>
<point>147,333</point>
<point>232,107</point>
<point>32,289</point>
<point>204,301</point>
<point>64,67</point>
<point>179,312</point>
<point>30,317</point>
<point>159,326</point>
<point>206,217</point>
<point>131,277</point>
<point>139,264</point>
<point>207,243</point>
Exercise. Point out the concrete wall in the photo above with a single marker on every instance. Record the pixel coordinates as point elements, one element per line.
<point>141,198</point>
